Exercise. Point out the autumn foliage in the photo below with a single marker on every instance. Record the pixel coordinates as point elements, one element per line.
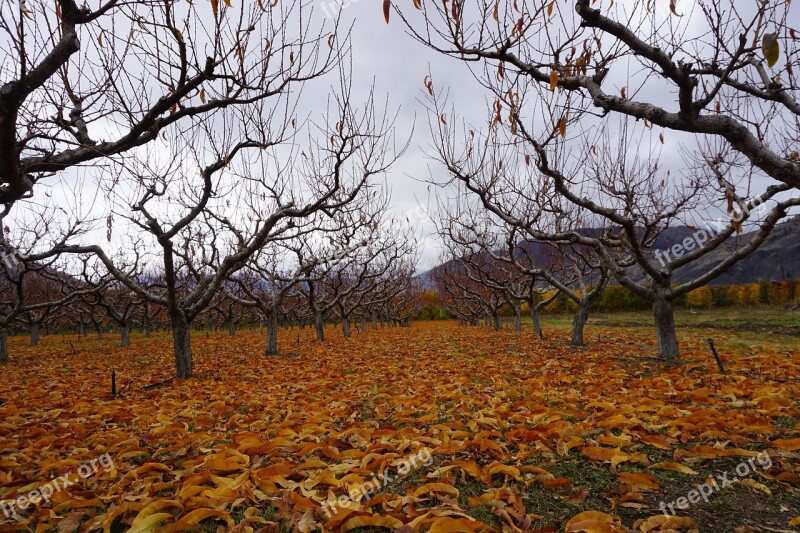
<point>254,443</point>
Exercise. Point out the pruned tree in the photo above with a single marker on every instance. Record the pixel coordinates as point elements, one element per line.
<point>610,204</point>
<point>520,260</point>
<point>35,283</point>
<point>450,284</point>
<point>361,278</point>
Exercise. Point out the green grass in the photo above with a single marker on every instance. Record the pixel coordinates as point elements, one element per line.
<point>732,328</point>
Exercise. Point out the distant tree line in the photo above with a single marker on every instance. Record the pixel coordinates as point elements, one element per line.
<point>616,299</point>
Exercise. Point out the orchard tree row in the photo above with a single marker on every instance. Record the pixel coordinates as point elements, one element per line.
<point>158,164</point>
<point>608,124</point>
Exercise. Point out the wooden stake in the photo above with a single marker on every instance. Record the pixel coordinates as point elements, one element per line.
<point>716,355</point>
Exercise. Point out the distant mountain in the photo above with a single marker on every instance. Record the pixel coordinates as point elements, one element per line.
<point>778,258</point>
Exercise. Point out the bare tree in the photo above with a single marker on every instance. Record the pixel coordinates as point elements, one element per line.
<point>363,277</point>
<point>511,258</point>
<point>34,282</point>
<point>624,202</point>
<point>456,291</point>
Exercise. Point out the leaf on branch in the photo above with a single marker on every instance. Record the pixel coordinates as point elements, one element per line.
<point>770,48</point>
<point>418,4</point>
<point>518,27</point>
<point>661,137</point>
<point>387,6</point>
<point>736,223</point>
<point>443,120</point>
<point>729,199</point>
<point>100,39</point>
<point>562,126</point>
<point>428,83</point>
<point>228,3</point>
<point>215,7</point>
<point>496,12</point>
<point>202,95</point>
<point>550,8</point>
<point>553,80</point>
<point>58,11</point>
<point>673,8</point>
<point>331,38</point>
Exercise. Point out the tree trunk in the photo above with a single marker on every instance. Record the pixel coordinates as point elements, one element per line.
<point>665,329</point>
<point>126,335</point>
<point>363,323</point>
<point>346,327</point>
<point>35,334</point>
<point>231,328</point>
<point>3,345</point>
<point>498,324</point>
<point>319,325</point>
<point>181,339</point>
<point>100,332</point>
<point>537,324</point>
<point>148,320</point>
<point>517,317</point>
<point>579,322</point>
<point>272,334</point>
<point>374,321</point>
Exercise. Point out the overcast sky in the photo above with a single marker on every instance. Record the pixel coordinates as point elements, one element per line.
<point>398,65</point>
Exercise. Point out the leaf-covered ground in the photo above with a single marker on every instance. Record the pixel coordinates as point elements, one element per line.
<point>524,435</point>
